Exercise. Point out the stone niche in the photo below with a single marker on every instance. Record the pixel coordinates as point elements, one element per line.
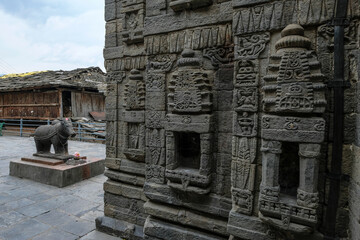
<point>133,21</point>
<point>294,87</point>
<point>189,127</point>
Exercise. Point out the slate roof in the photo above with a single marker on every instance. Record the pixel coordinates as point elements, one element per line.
<point>92,78</point>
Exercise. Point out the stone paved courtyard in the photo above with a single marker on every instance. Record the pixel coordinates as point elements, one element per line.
<point>30,210</point>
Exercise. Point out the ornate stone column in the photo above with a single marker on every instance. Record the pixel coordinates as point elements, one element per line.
<point>307,194</point>
<point>269,188</point>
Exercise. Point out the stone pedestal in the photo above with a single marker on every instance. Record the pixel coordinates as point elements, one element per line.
<point>55,172</point>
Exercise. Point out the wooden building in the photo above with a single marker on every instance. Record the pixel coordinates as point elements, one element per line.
<point>52,94</point>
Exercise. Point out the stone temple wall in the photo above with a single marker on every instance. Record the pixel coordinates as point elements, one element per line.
<point>219,119</point>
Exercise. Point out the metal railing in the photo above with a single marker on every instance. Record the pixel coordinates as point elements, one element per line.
<point>85,131</point>
<point>89,131</point>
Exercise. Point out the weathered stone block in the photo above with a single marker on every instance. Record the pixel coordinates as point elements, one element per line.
<point>110,11</point>
<point>245,3</point>
<point>119,228</point>
<point>155,7</point>
<point>113,52</point>
<point>154,227</point>
<point>125,177</point>
<point>189,218</point>
<point>125,190</point>
<point>59,175</point>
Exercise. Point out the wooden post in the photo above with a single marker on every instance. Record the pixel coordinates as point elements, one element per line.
<point>61,111</point>
<point>21,127</point>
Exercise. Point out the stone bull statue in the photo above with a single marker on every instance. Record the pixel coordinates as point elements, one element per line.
<point>56,134</point>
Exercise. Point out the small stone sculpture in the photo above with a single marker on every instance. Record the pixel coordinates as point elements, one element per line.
<point>56,134</point>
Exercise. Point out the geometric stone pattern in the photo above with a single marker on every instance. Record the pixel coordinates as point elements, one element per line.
<point>209,101</point>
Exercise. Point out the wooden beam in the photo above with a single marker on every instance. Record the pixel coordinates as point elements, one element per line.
<point>32,105</point>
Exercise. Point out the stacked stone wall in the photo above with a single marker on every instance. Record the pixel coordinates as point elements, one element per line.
<point>204,99</point>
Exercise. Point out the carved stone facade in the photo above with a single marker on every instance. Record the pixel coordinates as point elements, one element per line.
<point>219,117</point>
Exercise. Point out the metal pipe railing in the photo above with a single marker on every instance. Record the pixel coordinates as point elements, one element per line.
<point>89,131</point>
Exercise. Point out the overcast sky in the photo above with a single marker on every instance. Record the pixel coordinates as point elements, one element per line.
<point>50,34</point>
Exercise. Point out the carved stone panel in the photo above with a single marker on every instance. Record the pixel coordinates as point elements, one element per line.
<point>294,82</point>
<point>246,99</point>
<point>243,200</point>
<point>203,123</point>
<point>133,23</point>
<point>293,129</point>
<point>245,124</point>
<point>155,82</point>
<point>135,141</point>
<point>155,119</point>
<point>135,92</point>
<point>155,155</point>
<point>244,149</point>
<point>219,55</point>
<point>115,77</point>
<point>246,73</point>
<point>243,175</point>
<point>190,89</point>
<point>250,46</point>
<point>161,63</point>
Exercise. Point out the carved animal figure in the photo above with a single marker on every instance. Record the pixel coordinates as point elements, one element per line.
<point>56,134</point>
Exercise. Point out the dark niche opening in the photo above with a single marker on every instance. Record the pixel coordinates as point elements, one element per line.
<point>66,104</point>
<point>188,149</point>
<point>289,168</point>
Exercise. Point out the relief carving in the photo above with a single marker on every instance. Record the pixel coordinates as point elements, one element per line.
<point>246,99</point>
<point>243,200</point>
<point>154,119</point>
<point>155,173</point>
<point>161,63</point>
<point>133,24</point>
<point>251,46</point>
<point>134,135</point>
<point>244,149</point>
<point>293,84</point>
<point>307,199</point>
<point>135,92</point>
<point>155,82</point>
<point>350,33</point>
<point>243,175</point>
<point>269,193</point>
<point>189,91</point>
<point>219,55</point>
<point>296,81</point>
<point>246,75</point>
<point>115,77</point>
<point>245,124</point>
<point>135,141</point>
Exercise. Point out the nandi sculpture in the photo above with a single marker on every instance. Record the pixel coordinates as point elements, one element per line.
<point>56,134</point>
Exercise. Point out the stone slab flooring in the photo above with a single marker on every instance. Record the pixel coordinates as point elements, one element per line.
<point>31,210</point>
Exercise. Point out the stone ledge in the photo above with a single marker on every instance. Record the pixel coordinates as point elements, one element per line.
<point>119,228</point>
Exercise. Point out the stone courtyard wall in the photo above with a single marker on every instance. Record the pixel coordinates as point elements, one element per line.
<point>219,119</point>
